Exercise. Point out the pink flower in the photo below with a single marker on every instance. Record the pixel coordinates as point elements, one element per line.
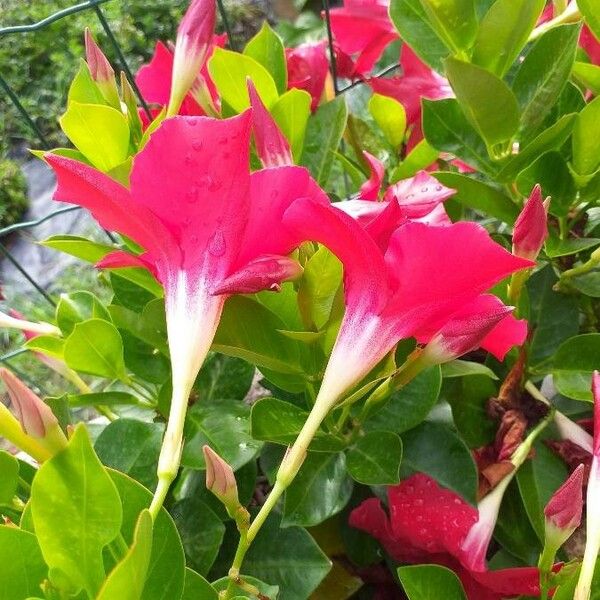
<point>416,82</point>
<point>370,189</point>
<point>204,222</point>
<point>563,511</point>
<point>362,30</point>
<point>308,69</point>
<point>396,282</point>
<point>531,228</point>
<point>429,524</point>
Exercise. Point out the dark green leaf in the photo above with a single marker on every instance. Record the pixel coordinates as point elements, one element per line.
<point>224,377</point>
<point>197,587</point>
<point>556,247</point>
<point>9,477</point>
<point>375,458</point>
<point>465,368</point>
<point>573,365</point>
<point>113,398</point>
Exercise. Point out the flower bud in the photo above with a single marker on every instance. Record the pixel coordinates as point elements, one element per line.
<point>531,228</point>
<point>15,320</point>
<point>194,37</point>
<point>220,480</point>
<point>101,71</point>
<point>563,511</point>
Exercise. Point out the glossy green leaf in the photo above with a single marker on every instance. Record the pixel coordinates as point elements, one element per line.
<point>591,12</point>
<point>22,566</point>
<point>127,580</point>
<point>201,532</point>
<point>411,21</point>
<point>100,132</point>
<point>47,344</point>
<point>455,21</point>
<point>9,477</point>
<point>224,377</point>
<point>435,449</point>
<point>95,347</point>
<point>76,512</point>
<point>323,135</point>
<point>586,139</point>
<point>280,422</point>
<point>266,48</point>
<point>573,365</point>
<point>588,75</point>
<point>486,101</point>
<point>225,427</point>
<point>543,74</point>
<point>83,88</point>
<point>197,587</point>
<point>465,368</point>
<point>390,116</point>
<point>131,447</point>
<point>431,582</point>
<point>291,113</point>
<point>77,307</point>
<point>420,157</point>
<point>321,489</point>
<point>229,71</point>
<point>588,284</point>
<point>375,458</point>
<point>556,247</point>
<point>503,33</point>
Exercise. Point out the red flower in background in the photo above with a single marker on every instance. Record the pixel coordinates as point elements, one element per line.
<point>308,69</point>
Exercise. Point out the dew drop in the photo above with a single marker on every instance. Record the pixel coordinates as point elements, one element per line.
<point>189,159</point>
<point>424,190</point>
<point>192,122</point>
<point>418,502</point>
<point>197,145</point>
<point>438,188</point>
<point>216,245</point>
<point>192,195</point>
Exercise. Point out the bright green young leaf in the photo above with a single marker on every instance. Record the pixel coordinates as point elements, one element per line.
<point>455,21</point>
<point>465,368</point>
<point>78,246</point>
<point>76,512</point>
<point>420,157</point>
<point>46,344</point>
<point>434,449</point>
<point>390,116</point>
<point>591,13</point>
<point>503,33</point>
<point>22,566</point>
<point>101,133</point>
<point>9,477</point>
<point>321,489</point>
<point>543,74</point>
<point>431,582</point>
<point>127,580</point>
<point>573,365</point>
<point>197,587</point>
<point>586,139</point>
<point>375,458</point>
<point>201,532</point>
<point>229,71</point>
<point>486,101</point>
<point>95,347</point>
<point>77,307</point>
<point>323,135</point>
<point>291,113</point>
<point>588,75</point>
<point>411,21</point>
<point>83,88</point>
<point>267,49</point>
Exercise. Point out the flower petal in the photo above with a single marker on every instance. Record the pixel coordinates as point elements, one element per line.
<point>370,189</point>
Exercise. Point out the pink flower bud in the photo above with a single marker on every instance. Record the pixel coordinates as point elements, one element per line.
<point>264,273</point>
<point>101,71</point>
<point>563,511</point>
<point>531,228</point>
<point>220,479</point>
<point>194,37</point>
<point>272,147</point>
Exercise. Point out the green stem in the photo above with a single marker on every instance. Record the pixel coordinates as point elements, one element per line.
<point>545,565</point>
<point>517,282</point>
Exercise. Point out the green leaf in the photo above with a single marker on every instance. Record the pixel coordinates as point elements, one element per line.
<point>225,427</point>
<point>543,74</point>
<point>9,477</point>
<point>201,532</point>
<point>586,139</point>
<point>229,71</point>
<point>447,130</point>
<point>77,307</point>
<point>321,489</point>
<point>291,113</point>
<point>22,566</point>
<point>408,406</point>
<point>486,101</point>
<point>166,573</point>
<point>83,88</point>
<point>555,247</point>
<point>479,196</point>
<point>95,347</point>
<point>591,13</point>
<point>76,512</point>
<point>323,135</point>
<point>420,157</point>
<point>126,581</point>
<point>100,133</point>
<point>131,447</point>
<point>588,284</point>
<point>588,75</point>
<point>390,116</point>
<point>410,19</point>
<point>503,33</point>
<point>573,365</point>
<point>434,449</point>
<point>455,21</point>
<point>287,557</point>
<point>430,582</point>
<point>280,422</point>
<point>224,377</point>
<point>375,458</point>
<point>197,587</point>
<point>465,368</point>
<point>266,48</point>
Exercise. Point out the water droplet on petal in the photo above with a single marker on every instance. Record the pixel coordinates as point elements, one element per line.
<point>192,122</point>
<point>189,159</point>
<point>438,188</point>
<point>197,145</point>
<point>216,245</point>
<point>192,195</point>
<point>424,190</point>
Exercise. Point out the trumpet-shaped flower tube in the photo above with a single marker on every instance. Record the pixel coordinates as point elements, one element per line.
<point>204,223</point>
